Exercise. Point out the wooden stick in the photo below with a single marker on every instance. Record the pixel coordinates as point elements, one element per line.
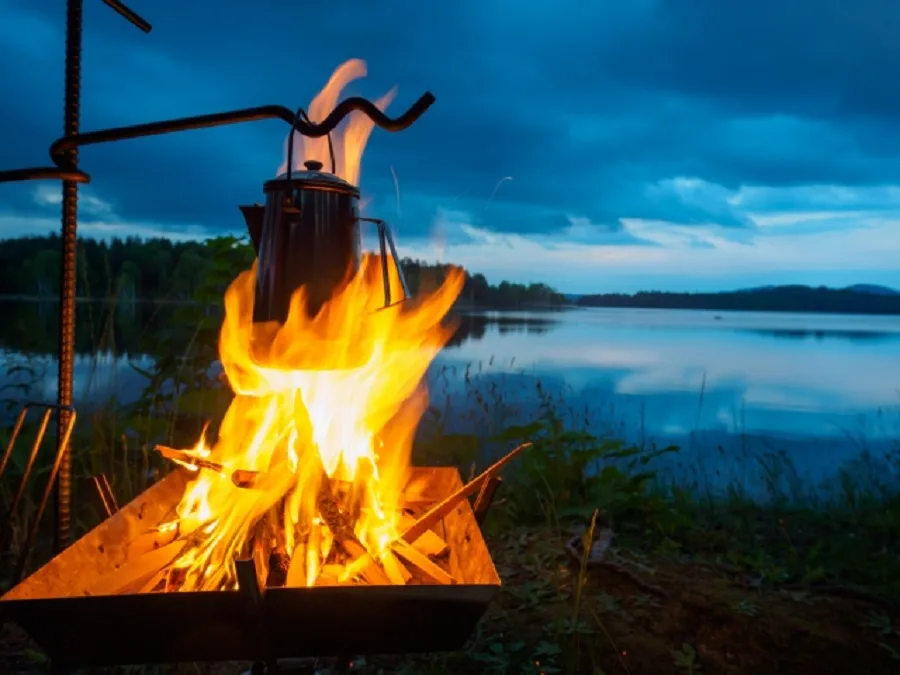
<point>185,457</point>
<point>155,581</point>
<point>437,512</point>
<point>344,538</point>
<point>296,576</point>
<point>431,544</point>
<point>395,570</point>
<point>421,561</point>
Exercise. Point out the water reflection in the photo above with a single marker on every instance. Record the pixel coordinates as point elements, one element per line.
<point>821,386</point>
<point>476,326</point>
<point>820,335</point>
<point>126,328</point>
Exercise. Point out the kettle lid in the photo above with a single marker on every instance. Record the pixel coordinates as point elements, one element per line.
<point>314,177</point>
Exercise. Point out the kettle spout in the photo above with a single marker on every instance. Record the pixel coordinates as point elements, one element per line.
<point>254,216</point>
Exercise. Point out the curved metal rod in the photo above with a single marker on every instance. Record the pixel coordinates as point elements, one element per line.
<point>128,14</point>
<point>61,146</point>
<point>44,173</point>
<point>345,107</point>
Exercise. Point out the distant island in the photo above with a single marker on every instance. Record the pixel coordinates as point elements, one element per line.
<point>857,299</point>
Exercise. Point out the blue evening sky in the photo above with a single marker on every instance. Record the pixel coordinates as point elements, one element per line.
<point>668,144</point>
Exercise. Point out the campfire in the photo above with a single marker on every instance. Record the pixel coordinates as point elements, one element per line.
<point>306,489</point>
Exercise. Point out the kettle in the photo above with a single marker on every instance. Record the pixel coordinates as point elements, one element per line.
<point>308,234</point>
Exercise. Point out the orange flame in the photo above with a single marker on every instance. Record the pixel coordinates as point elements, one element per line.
<point>351,425</point>
<point>348,145</point>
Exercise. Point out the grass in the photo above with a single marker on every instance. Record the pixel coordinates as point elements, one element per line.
<point>696,580</point>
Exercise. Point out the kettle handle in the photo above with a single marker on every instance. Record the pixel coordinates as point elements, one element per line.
<point>306,127</point>
<point>385,242</point>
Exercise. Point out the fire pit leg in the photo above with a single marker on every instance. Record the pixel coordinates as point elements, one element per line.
<point>249,585</point>
<point>485,498</point>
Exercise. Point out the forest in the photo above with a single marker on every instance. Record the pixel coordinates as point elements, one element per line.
<point>160,269</point>
<point>773,299</point>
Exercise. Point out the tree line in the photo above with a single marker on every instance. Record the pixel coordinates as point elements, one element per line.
<point>775,299</point>
<point>160,269</point>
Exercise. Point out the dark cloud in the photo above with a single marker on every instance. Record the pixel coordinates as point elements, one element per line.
<point>594,109</point>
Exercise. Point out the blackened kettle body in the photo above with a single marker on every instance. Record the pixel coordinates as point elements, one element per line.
<point>308,234</point>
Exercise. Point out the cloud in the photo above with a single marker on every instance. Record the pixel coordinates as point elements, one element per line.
<point>727,126</point>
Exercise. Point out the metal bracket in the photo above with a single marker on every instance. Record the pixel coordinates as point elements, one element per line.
<point>485,498</point>
<point>252,588</point>
<point>385,245</point>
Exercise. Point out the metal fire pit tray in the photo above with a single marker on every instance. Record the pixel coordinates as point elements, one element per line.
<point>79,630</point>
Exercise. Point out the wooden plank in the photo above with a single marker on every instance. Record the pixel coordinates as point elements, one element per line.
<point>432,571</point>
<point>397,573</point>
<point>431,544</point>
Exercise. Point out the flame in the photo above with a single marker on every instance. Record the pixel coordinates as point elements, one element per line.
<point>349,141</point>
<point>345,432</point>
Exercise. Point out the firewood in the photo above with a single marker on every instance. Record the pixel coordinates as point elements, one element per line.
<point>436,513</point>
<point>330,575</point>
<point>159,581</point>
<point>136,573</point>
<point>431,544</point>
<point>396,571</point>
<point>186,458</point>
<point>296,574</point>
<point>344,538</point>
<point>432,571</point>
<point>277,560</point>
<point>243,478</point>
<point>279,564</point>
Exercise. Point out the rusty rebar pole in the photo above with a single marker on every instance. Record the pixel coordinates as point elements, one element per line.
<point>71,123</point>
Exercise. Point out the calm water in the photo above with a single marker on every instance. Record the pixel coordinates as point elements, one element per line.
<point>819,387</point>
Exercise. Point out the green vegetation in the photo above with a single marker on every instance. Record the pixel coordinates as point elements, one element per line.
<point>853,300</point>
<point>805,580</point>
<point>160,269</point>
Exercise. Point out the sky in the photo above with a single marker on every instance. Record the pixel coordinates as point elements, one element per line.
<point>594,145</point>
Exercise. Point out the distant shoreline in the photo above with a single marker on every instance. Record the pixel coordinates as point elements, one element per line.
<point>462,306</point>
<point>860,300</point>
<point>778,300</point>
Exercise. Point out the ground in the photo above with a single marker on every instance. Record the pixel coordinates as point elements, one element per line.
<point>638,614</point>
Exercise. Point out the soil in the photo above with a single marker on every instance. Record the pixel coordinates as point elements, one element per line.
<point>638,614</point>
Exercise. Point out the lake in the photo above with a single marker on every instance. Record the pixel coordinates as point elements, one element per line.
<point>727,387</point>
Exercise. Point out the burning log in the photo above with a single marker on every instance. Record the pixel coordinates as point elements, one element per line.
<point>344,538</point>
<point>395,570</point>
<point>297,568</point>
<point>186,458</point>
